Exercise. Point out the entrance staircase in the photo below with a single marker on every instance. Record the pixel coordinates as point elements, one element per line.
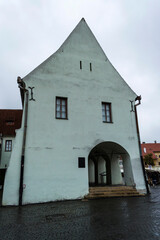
<point>112,191</point>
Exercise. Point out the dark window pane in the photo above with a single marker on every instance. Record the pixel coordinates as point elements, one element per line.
<point>8,145</point>
<point>58,100</point>
<point>58,115</point>
<point>63,115</point>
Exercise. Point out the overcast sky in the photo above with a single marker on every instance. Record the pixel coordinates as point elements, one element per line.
<point>127,30</point>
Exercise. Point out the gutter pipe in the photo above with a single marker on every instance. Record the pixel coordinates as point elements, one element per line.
<point>1,139</point>
<point>22,86</point>
<point>138,98</point>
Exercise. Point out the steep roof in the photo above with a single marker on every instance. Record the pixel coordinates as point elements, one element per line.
<point>82,38</point>
<point>78,40</point>
<point>150,148</point>
<point>10,120</point>
<point>82,44</point>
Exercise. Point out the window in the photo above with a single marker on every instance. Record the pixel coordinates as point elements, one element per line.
<point>8,146</point>
<point>106,112</point>
<point>61,108</point>
<point>10,122</point>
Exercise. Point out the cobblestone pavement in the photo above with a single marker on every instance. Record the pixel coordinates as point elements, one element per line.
<point>135,218</point>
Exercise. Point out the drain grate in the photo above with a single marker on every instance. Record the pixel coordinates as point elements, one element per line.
<point>53,217</point>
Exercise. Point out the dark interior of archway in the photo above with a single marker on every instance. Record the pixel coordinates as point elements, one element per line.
<point>94,155</point>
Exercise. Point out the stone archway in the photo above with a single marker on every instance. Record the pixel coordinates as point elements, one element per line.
<point>104,168</point>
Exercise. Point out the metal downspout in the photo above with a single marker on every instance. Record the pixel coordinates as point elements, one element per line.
<point>1,139</point>
<point>139,143</point>
<point>22,86</point>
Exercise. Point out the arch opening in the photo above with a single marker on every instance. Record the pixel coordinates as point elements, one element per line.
<point>109,164</point>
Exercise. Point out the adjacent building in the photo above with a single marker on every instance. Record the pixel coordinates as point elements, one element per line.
<point>10,120</point>
<point>154,149</point>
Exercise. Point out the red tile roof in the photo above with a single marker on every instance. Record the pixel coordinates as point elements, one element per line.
<point>10,119</point>
<point>150,148</point>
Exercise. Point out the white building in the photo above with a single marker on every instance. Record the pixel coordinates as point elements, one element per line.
<point>77,123</point>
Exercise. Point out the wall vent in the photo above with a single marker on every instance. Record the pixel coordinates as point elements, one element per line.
<point>81,162</point>
<point>80,64</point>
<point>90,67</point>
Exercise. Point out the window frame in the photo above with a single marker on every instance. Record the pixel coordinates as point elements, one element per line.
<point>105,104</point>
<point>60,111</point>
<point>8,147</point>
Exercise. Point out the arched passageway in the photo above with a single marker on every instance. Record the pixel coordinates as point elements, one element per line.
<point>109,164</point>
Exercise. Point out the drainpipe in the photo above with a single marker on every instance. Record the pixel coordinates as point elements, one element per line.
<point>138,98</point>
<point>1,143</point>
<point>24,91</point>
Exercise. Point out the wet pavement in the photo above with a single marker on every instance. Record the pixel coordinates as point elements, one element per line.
<point>135,218</point>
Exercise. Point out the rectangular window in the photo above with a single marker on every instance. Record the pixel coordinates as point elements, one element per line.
<point>61,108</point>
<point>8,146</point>
<point>9,122</point>
<point>106,112</point>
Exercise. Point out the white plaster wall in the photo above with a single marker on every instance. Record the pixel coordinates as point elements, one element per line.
<point>53,146</point>
<point>101,169</point>
<point>11,184</point>
<point>115,170</point>
<point>128,175</point>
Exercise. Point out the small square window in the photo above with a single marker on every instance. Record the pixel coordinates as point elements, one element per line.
<point>61,108</point>
<point>106,112</point>
<point>81,162</point>
<point>8,146</point>
<point>10,122</point>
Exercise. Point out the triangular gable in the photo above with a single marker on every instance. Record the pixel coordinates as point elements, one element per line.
<point>82,44</point>
<point>78,40</point>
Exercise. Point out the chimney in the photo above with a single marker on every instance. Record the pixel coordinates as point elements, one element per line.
<point>143,142</point>
<point>155,141</point>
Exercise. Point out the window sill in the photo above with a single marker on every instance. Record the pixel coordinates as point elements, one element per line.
<point>61,118</point>
<point>107,122</point>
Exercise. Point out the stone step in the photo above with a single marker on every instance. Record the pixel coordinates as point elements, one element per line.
<point>108,188</point>
<point>113,191</point>
<point>113,195</point>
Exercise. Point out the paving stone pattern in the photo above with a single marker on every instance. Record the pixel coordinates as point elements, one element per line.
<point>135,218</point>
